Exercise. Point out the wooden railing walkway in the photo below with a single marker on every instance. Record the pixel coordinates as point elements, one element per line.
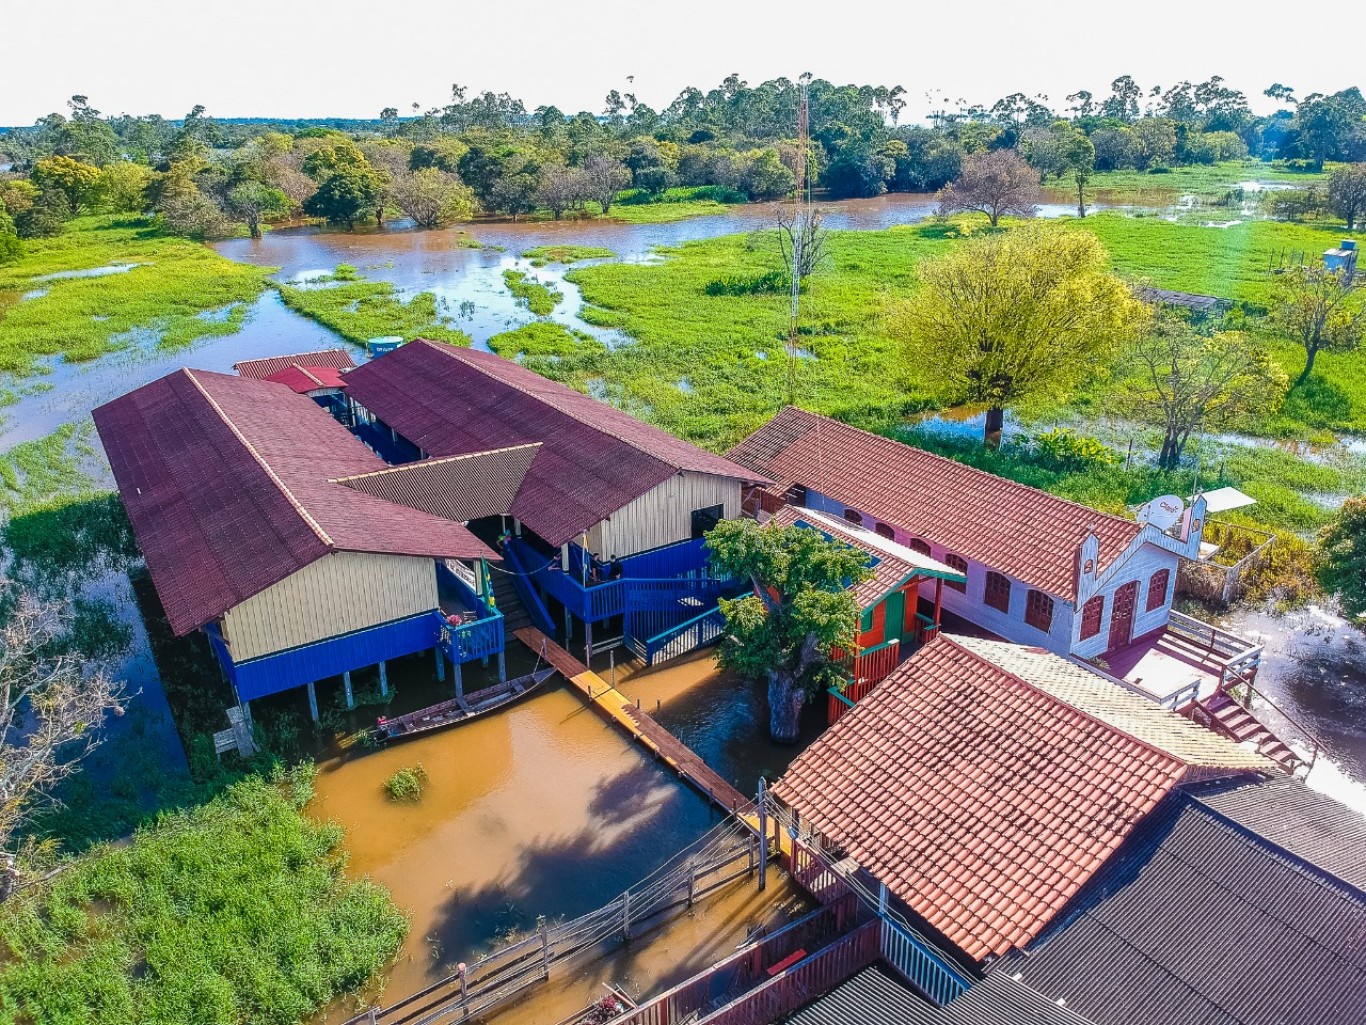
<point>729,852</point>
<point>642,728</point>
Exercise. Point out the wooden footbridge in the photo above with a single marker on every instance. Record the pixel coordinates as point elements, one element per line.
<point>618,708</point>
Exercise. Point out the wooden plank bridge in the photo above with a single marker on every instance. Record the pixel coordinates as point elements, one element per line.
<point>616,707</point>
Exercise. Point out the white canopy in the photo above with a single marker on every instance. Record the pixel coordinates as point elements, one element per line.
<point>1224,499</point>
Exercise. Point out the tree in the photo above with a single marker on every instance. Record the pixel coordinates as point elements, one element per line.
<point>1122,103</point>
<point>10,246</point>
<point>52,705</point>
<point>1323,310</point>
<point>122,187</point>
<point>802,240</point>
<point>996,184</point>
<point>346,195</point>
<point>1347,193</point>
<point>72,178</point>
<point>44,217</point>
<point>604,177</point>
<point>182,207</point>
<point>1023,314</point>
<point>1187,381</point>
<point>1080,163</point>
<point>1342,557</point>
<point>430,196</point>
<point>801,608</point>
<point>252,202</point>
<point>559,188</point>
<point>1154,140</point>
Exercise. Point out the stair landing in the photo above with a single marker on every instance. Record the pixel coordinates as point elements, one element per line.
<point>1230,718</point>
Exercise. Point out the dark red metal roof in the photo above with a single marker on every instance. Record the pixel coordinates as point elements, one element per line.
<point>228,485</point>
<point>1199,921</point>
<point>339,359</point>
<point>454,487</point>
<point>1027,533</point>
<point>304,379</point>
<point>594,458</point>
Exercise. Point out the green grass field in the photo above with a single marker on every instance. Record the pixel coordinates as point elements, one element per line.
<point>1209,181</point>
<point>542,255</point>
<point>235,911</point>
<point>176,284</point>
<point>359,310</point>
<point>538,298</point>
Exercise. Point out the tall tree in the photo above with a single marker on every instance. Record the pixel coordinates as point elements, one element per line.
<point>1080,163</point>
<point>1023,314</point>
<point>1342,557</point>
<point>431,196</point>
<point>801,608</point>
<point>1347,193</point>
<point>252,202</point>
<point>52,708</point>
<point>1323,310</point>
<point>75,180</point>
<point>1184,381</point>
<point>345,196</point>
<point>604,177</point>
<point>996,184</point>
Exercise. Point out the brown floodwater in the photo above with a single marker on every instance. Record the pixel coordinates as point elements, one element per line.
<point>546,809</point>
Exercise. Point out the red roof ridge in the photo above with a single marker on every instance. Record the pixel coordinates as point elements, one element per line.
<point>436,460</point>
<point>1080,712</point>
<point>313,524</point>
<point>304,370</point>
<point>822,418</point>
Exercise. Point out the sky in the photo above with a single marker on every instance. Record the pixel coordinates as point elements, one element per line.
<point>345,59</point>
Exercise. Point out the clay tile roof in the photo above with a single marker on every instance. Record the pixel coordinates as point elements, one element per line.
<point>895,563</point>
<point>594,459</point>
<point>304,379</point>
<point>458,488</point>
<point>338,359</point>
<point>228,486</point>
<point>1018,530</point>
<point>981,801</point>
<point>1136,715</point>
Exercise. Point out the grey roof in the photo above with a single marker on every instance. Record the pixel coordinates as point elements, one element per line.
<point>1197,921</point>
<point>1306,824</point>
<point>875,997</point>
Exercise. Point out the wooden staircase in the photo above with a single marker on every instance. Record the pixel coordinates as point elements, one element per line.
<point>515,615</point>
<point>1228,717</point>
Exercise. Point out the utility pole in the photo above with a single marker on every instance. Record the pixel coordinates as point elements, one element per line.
<point>801,226</point>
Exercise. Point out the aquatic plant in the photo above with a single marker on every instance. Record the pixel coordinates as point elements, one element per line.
<point>542,255</point>
<point>407,784</point>
<point>359,310</point>
<point>538,298</point>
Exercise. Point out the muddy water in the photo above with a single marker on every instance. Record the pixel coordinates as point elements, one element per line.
<point>543,809</point>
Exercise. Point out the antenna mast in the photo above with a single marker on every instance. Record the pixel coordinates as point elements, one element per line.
<point>800,225</point>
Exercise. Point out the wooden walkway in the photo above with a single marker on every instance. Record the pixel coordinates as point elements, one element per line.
<point>654,737</point>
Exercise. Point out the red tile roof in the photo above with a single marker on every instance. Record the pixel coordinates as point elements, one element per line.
<point>1021,531</point>
<point>594,458</point>
<point>304,379</point>
<point>980,800</point>
<point>895,564</point>
<point>227,485</point>
<point>338,359</point>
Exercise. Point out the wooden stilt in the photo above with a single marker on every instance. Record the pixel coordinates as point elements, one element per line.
<point>313,700</point>
<point>763,837</point>
<point>384,679</point>
<point>459,681</point>
<point>588,644</point>
<point>350,695</point>
<point>440,665</point>
<point>502,668</point>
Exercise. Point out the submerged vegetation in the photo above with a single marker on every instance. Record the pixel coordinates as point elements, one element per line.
<point>238,910</point>
<point>542,255</point>
<point>360,310</point>
<point>407,784</point>
<point>538,298</point>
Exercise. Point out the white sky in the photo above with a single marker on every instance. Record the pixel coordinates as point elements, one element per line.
<point>343,58</point>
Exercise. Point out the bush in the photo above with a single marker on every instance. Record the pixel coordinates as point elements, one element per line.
<point>1063,449</point>
<point>774,281</point>
<point>407,784</point>
<point>46,218</point>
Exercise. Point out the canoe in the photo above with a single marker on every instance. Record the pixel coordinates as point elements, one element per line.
<point>460,710</point>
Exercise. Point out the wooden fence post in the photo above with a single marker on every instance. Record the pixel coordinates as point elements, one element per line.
<point>763,838</point>
<point>464,988</point>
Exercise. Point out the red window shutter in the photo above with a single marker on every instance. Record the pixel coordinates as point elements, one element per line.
<point>1157,589</point>
<point>1039,610</point>
<point>1091,614</point>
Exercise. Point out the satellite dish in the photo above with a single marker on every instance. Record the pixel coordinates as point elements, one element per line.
<point>1162,512</point>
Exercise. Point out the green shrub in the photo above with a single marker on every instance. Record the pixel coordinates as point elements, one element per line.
<point>1064,449</point>
<point>774,281</point>
<point>407,784</point>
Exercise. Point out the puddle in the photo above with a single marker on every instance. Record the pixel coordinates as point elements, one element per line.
<point>90,272</point>
<point>36,293</point>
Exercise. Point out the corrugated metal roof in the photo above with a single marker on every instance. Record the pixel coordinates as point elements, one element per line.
<point>595,459</point>
<point>875,997</point>
<point>227,483</point>
<point>1304,823</point>
<point>1137,716</point>
<point>981,801</point>
<point>1196,921</point>
<point>895,563</point>
<point>304,379</point>
<point>339,359</point>
<point>458,488</point>
<point>1027,533</point>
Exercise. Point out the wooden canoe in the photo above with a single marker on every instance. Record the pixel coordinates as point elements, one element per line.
<point>460,710</point>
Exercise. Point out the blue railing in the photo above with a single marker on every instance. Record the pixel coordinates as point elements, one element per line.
<point>521,583</point>
<point>685,559</point>
<point>684,637</point>
<point>465,642</point>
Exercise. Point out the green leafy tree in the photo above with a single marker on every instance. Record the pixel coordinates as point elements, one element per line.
<point>1079,157</point>
<point>1024,314</point>
<point>431,196</point>
<point>1185,381</point>
<point>347,195</point>
<point>122,187</point>
<point>44,217</point>
<point>10,246</point>
<point>801,608</point>
<point>1323,310</point>
<point>252,202</point>
<point>75,180</point>
<point>1347,193</point>
<point>1341,559</point>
